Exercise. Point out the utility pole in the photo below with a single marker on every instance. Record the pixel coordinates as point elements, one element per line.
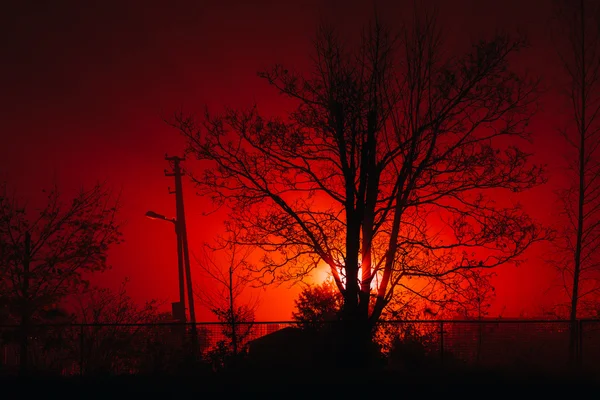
<point>181,307</point>
<point>182,242</point>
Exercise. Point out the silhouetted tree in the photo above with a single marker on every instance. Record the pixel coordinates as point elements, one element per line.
<point>231,277</point>
<point>317,305</point>
<point>391,169</point>
<point>45,253</point>
<point>118,336</point>
<point>579,50</point>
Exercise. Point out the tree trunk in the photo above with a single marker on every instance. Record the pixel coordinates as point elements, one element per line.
<point>234,339</point>
<point>353,351</point>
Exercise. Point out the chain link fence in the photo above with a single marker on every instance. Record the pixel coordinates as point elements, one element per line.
<point>108,349</point>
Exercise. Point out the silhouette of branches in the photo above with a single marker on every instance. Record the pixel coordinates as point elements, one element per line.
<point>45,253</point>
<point>225,296</point>
<point>66,240</point>
<point>579,235</point>
<point>389,169</point>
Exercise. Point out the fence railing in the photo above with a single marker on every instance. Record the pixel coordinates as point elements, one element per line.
<point>88,349</point>
<point>538,344</point>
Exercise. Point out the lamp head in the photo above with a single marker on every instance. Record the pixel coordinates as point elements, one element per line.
<point>153,215</point>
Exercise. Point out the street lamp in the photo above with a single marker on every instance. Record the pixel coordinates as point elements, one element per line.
<point>154,215</point>
<point>178,310</point>
<point>183,254</point>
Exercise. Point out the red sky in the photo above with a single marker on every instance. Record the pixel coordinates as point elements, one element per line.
<point>85,88</point>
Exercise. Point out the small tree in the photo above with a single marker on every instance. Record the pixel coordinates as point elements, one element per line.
<point>113,341</point>
<point>232,278</point>
<point>317,305</point>
<point>578,263</point>
<point>45,254</point>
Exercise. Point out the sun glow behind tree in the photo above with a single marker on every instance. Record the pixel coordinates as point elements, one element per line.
<point>389,170</point>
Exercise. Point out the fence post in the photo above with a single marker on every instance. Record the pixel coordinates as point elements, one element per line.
<point>442,342</point>
<point>81,350</point>
<point>580,344</point>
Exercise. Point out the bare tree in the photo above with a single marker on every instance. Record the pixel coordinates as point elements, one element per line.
<point>118,332</point>
<point>579,265</point>
<point>232,278</point>
<point>392,169</point>
<point>45,254</point>
<point>105,306</point>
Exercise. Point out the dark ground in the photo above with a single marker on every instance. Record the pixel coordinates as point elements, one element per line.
<point>312,383</point>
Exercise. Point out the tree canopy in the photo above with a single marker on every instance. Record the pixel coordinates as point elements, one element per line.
<point>45,254</point>
<point>390,169</point>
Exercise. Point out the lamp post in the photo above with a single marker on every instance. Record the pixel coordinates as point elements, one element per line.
<point>183,255</point>
<point>182,263</point>
<point>180,312</point>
